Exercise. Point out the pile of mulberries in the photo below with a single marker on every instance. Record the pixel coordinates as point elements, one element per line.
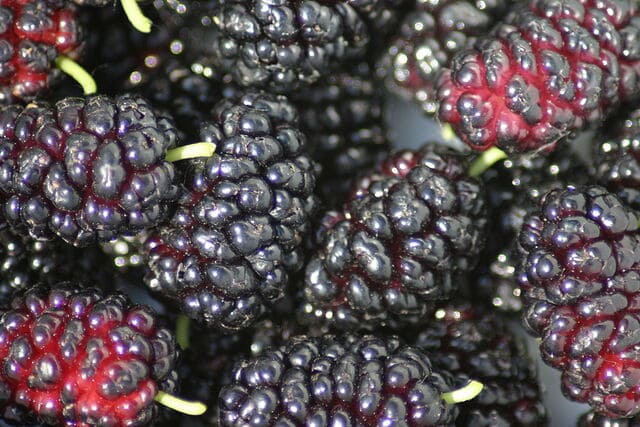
<point>210,217</point>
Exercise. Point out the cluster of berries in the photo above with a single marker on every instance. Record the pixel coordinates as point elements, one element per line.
<point>199,199</point>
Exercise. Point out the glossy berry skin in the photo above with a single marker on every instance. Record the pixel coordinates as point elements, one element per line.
<point>280,46</point>
<point>429,35</point>
<point>593,419</point>
<point>550,69</point>
<point>237,233</point>
<point>77,357</point>
<point>474,343</point>
<point>581,255</point>
<point>396,250</point>
<point>33,33</point>
<point>342,116</point>
<point>617,163</point>
<point>85,169</point>
<point>344,380</point>
<point>514,187</point>
<point>206,364</point>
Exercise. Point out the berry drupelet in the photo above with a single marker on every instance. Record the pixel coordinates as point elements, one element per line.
<point>580,280</point>
<point>550,69</point>
<point>85,169</point>
<point>472,342</point>
<point>399,247</point>
<point>342,117</point>
<point>617,163</point>
<point>238,230</point>
<point>334,380</point>
<point>206,363</point>
<point>593,419</point>
<point>34,35</point>
<point>514,187</point>
<point>427,39</point>
<point>77,357</point>
<point>286,45</point>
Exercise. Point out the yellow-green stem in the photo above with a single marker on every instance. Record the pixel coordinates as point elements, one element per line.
<point>182,331</point>
<point>135,16</point>
<point>180,405</point>
<point>77,73</point>
<point>485,160</point>
<point>447,132</point>
<point>191,151</point>
<point>468,392</point>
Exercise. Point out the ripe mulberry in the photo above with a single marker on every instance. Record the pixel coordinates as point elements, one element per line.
<point>548,70</point>
<point>76,357</point>
<point>475,343</point>
<point>85,169</point>
<point>400,247</point>
<point>33,33</point>
<point>342,117</point>
<point>286,45</point>
<point>580,280</point>
<point>333,380</point>
<point>237,233</point>
<point>427,39</point>
<point>514,188</point>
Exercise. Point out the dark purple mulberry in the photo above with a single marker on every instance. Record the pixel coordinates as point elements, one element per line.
<point>580,280</point>
<point>238,230</point>
<point>76,357</point>
<point>33,34</point>
<point>286,45</point>
<point>428,37</point>
<point>342,117</point>
<point>398,248</point>
<point>514,187</point>
<point>85,169</point>
<point>331,380</point>
<point>550,69</point>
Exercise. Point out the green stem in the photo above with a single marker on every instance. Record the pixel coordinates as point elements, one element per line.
<point>182,331</point>
<point>191,151</point>
<point>180,405</point>
<point>135,16</point>
<point>77,73</point>
<point>447,132</point>
<point>468,392</point>
<point>485,160</point>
